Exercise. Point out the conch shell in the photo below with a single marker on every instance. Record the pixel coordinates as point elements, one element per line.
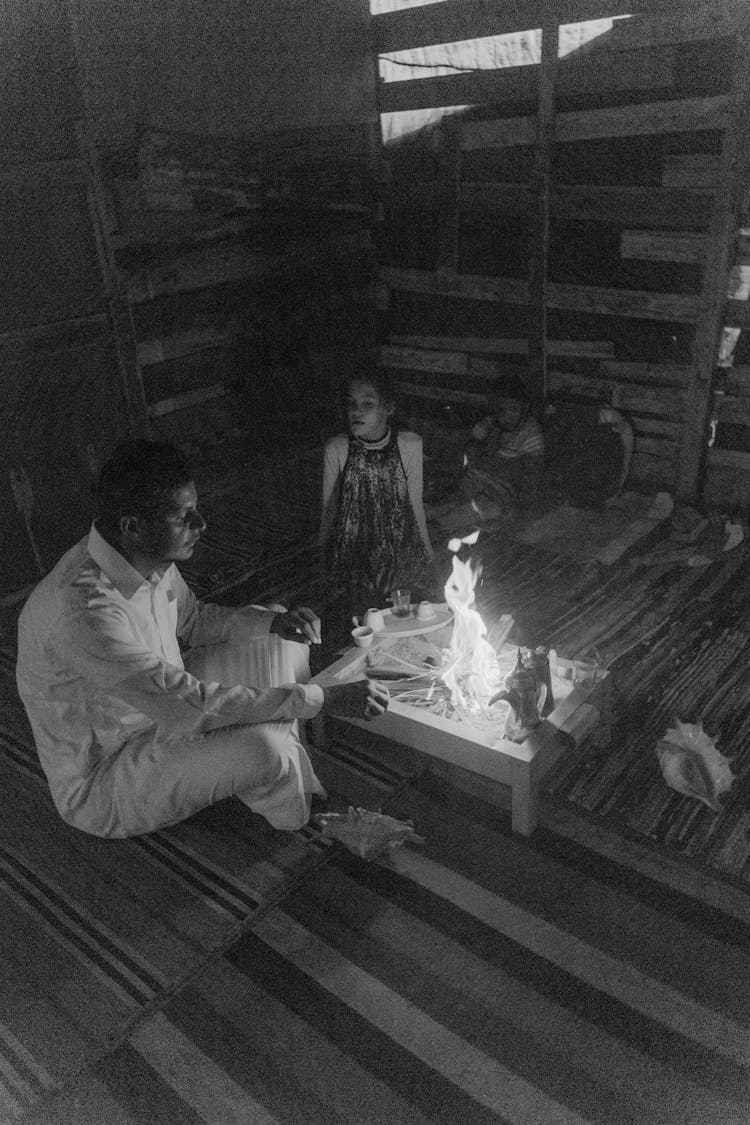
<point>367,834</point>
<point>692,765</point>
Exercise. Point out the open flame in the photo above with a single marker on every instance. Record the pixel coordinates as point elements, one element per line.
<point>471,671</point>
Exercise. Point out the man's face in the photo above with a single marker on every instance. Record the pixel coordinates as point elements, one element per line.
<point>508,412</point>
<point>171,536</point>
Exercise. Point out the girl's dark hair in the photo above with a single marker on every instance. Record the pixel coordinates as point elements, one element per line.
<point>138,480</point>
<point>369,373</point>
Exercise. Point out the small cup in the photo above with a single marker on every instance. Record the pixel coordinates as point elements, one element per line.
<point>401,602</point>
<point>374,618</point>
<point>425,611</point>
<point>362,636</point>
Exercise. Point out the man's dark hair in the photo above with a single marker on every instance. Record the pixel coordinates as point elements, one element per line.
<point>138,480</point>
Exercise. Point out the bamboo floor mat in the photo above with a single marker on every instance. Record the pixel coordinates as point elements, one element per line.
<point>677,643</point>
<point>480,978</point>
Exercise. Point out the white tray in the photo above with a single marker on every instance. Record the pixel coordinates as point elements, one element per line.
<point>410,626</point>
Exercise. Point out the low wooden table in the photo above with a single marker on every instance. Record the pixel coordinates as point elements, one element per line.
<point>581,708</point>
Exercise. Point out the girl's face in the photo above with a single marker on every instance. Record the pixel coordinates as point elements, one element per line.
<point>367,411</point>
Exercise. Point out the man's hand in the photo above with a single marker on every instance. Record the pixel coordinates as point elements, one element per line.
<point>299,624</point>
<point>362,699</point>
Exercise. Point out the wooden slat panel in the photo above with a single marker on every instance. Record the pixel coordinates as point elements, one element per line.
<point>653,374</point>
<point>655,447</point>
<point>733,169</point>
<point>40,172</point>
<point>582,76</point>
<point>727,481</point>
<point>734,459</point>
<point>457,20</point>
<point>738,381</point>
<point>447,198</point>
<point>512,83</point>
<point>732,409</point>
<point>699,20</point>
<point>635,303</point>
<point>425,359</point>
<point>182,344</point>
<point>691,170</point>
<point>656,246</point>
<point>657,472</point>
<point>438,394</point>
<point>675,116</point>
<point>676,209</point>
<point>657,427</point>
<point>190,398</point>
<point>738,314</point>
<point>595,349</point>
<point>631,400</point>
<point>645,407</point>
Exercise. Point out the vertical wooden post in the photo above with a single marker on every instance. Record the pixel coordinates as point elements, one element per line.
<point>734,169</point>
<point>118,305</point>
<point>448,198</point>
<point>539,218</point>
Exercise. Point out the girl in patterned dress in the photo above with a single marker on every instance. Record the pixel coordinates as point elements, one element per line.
<point>373,532</point>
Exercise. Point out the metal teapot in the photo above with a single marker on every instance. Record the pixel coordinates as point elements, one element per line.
<point>526,699</point>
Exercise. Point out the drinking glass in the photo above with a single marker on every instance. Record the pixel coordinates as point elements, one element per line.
<point>401,602</point>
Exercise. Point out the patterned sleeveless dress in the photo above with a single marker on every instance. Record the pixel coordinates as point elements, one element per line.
<point>375,543</point>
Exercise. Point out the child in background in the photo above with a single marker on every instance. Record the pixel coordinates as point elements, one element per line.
<point>373,532</point>
<point>504,458</point>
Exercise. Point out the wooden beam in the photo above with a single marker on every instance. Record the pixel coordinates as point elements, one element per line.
<point>691,170</point>
<point>630,399</point>
<point>189,398</point>
<point>593,349</point>
<point>675,116</point>
<point>438,394</point>
<point>508,84</point>
<point>583,76</point>
<point>55,330</point>
<point>657,375</point>
<point>658,246</point>
<point>737,314</point>
<point>540,227</point>
<point>45,172</point>
<point>639,304</point>
<point>447,198</point>
<point>675,209</point>
<point>457,20</point>
<point>712,318</point>
<point>154,351</point>
<point>698,20</point>
<point>732,409</point>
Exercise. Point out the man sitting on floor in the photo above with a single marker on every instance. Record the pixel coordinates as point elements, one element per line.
<point>129,739</point>
<point>504,458</point>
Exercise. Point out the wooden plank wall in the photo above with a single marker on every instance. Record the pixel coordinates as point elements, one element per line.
<point>197,288</point>
<point>248,268</point>
<point>609,184</point>
<point>63,395</point>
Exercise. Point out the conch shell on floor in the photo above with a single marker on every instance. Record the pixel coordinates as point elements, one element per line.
<point>692,765</point>
<point>367,834</point>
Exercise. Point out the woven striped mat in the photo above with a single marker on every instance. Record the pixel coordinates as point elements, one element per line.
<point>481,978</point>
<point>97,933</point>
